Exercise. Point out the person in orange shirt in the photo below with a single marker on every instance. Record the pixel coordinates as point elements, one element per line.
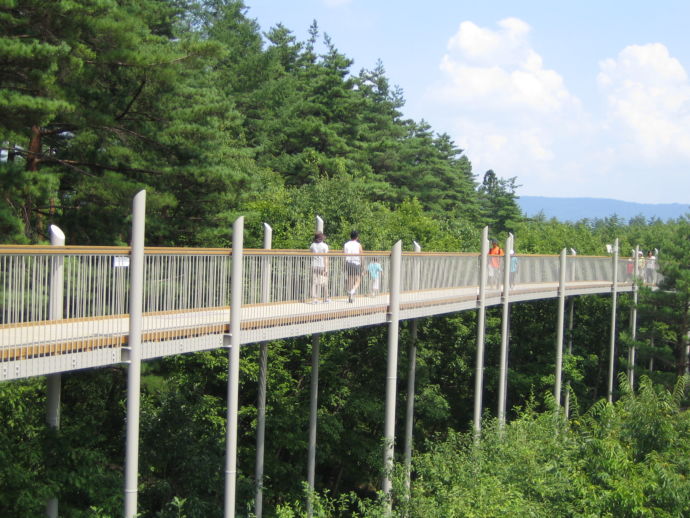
<point>495,253</point>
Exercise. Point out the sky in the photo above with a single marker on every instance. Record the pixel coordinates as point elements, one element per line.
<point>576,99</point>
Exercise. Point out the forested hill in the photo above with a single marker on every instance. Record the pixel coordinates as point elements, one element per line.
<point>576,209</point>
<point>215,117</point>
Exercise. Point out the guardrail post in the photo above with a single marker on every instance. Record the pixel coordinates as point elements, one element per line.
<point>267,266</point>
<point>263,367</point>
<point>411,372</point>
<point>503,367</point>
<point>54,381</point>
<point>391,372</point>
<point>136,300</point>
<point>612,344</point>
<point>559,328</point>
<point>313,405</point>
<point>233,366</point>
<point>481,315</point>
<point>417,267</point>
<point>633,320</point>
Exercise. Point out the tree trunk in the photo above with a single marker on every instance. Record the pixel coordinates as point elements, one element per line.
<point>32,163</point>
<point>34,149</point>
<point>682,343</point>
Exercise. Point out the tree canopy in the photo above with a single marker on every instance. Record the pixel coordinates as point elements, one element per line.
<point>215,117</point>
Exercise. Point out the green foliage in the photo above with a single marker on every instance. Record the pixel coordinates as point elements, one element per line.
<point>499,208</point>
<point>23,456</point>
<point>624,459</point>
<point>669,307</point>
<point>188,100</point>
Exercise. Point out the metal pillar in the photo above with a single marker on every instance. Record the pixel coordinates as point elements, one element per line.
<point>54,381</point>
<point>481,316</point>
<point>233,340</point>
<point>391,371</point>
<point>632,352</point>
<point>559,329</point>
<point>571,311</point>
<point>313,405</point>
<point>133,351</point>
<point>503,367</point>
<point>612,343</point>
<point>409,415</point>
<point>313,408</point>
<point>263,367</point>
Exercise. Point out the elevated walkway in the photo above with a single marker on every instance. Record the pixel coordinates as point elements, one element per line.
<point>185,290</point>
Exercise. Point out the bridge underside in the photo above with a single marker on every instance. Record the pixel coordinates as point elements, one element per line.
<point>67,345</point>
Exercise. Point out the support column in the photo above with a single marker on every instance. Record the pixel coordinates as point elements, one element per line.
<point>481,316</point>
<point>391,371</point>
<point>136,301</point>
<point>313,406</point>
<point>263,368</point>
<point>633,320</point>
<point>571,311</point>
<point>54,381</point>
<point>612,343</point>
<point>233,340</point>
<point>503,367</point>
<point>411,372</point>
<point>559,329</point>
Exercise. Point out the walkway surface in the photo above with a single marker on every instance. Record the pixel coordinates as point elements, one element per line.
<point>50,346</point>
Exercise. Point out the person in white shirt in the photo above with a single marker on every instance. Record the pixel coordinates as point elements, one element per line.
<point>650,268</point>
<point>353,264</point>
<point>319,268</point>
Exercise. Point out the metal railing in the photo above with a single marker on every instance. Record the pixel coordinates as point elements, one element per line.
<point>60,300</point>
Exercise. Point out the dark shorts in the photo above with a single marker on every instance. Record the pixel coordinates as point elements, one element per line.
<point>353,269</point>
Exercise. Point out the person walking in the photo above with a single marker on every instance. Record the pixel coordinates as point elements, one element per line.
<point>495,253</point>
<point>353,265</point>
<point>650,268</point>
<point>319,268</point>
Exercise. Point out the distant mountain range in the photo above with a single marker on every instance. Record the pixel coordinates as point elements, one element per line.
<point>575,209</point>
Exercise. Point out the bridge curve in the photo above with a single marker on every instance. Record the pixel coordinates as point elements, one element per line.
<point>187,293</point>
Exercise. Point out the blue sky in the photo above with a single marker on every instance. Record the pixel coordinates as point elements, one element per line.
<point>578,98</point>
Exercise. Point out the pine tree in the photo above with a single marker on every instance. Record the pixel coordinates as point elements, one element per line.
<point>499,202</point>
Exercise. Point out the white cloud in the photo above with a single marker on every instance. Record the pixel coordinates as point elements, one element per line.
<point>511,113</point>
<point>506,46</point>
<point>499,70</point>
<point>648,100</point>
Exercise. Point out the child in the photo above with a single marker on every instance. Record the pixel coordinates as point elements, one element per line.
<point>375,270</point>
